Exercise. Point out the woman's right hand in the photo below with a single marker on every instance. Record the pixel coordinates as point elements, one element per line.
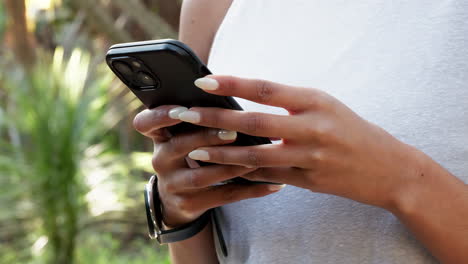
<point>187,192</point>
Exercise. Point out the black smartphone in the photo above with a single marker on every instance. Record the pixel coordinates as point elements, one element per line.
<point>163,72</point>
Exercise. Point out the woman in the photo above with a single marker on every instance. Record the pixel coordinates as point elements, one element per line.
<point>370,142</point>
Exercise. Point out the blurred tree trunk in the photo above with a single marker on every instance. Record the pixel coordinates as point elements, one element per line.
<point>2,22</point>
<point>154,26</point>
<point>101,20</point>
<point>17,36</point>
<point>169,10</point>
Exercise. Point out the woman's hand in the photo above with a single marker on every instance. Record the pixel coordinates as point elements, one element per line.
<point>326,147</point>
<point>186,193</point>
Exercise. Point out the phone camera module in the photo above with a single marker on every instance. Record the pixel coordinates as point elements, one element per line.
<point>145,79</point>
<point>136,64</point>
<point>135,74</point>
<point>123,68</point>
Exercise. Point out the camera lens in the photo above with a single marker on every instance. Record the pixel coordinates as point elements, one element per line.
<point>123,68</point>
<point>146,79</point>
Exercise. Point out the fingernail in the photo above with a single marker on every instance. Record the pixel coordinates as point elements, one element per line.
<point>175,112</point>
<point>227,134</point>
<point>190,116</point>
<point>275,188</point>
<point>199,155</point>
<point>207,84</point>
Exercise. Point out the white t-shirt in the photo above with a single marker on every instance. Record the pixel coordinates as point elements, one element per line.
<point>400,64</point>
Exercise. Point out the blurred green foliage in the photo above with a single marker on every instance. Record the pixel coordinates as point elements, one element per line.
<point>54,157</point>
<point>72,170</point>
<point>2,21</point>
<point>51,118</point>
<point>105,249</point>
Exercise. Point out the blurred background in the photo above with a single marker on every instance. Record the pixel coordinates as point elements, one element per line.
<point>72,169</point>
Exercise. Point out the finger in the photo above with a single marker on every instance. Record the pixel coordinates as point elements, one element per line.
<point>291,176</point>
<point>267,155</point>
<point>224,194</point>
<point>150,120</point>
<point>203,177</point>
<point>260,91</point>
<point>251,123</point>
<point>172,153</point>
<point>180,145</point>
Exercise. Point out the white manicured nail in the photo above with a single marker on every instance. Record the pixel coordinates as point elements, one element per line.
<point>227,134</point>
<point>175,112</point>
<point>274,187</point>
<point>190,116</point>
<point>199,155</point>
<point>207,84</point>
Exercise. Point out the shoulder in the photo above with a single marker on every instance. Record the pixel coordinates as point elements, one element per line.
<point>200,20</point>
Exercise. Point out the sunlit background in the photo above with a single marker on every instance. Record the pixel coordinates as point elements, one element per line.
<point>72,169</point>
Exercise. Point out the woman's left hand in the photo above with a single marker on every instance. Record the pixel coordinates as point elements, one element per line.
<point>326,147</point>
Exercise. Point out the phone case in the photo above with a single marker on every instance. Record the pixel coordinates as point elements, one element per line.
<point>176,67</point>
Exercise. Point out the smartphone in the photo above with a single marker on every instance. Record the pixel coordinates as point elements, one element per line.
<point>163,72</point>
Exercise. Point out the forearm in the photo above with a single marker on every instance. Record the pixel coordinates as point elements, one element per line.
<point>198,249</point>
<point>434,206</point>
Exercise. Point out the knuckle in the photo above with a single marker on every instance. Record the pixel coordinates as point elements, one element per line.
<point>320,99</point>
<point>322,129</point>
<point>157,161</point>
<point>253,159</point>
<point>215,118</point>
<point>194,179</point>
<point>255,123</point>
<point>264,91</point>
<point>316,156</point>
<point>325,132</point>
<point>319,130</point>
<point>168,186</point>
<point>314,99</point>
<point>184,204</point>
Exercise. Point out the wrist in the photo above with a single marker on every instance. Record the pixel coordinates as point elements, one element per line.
<point>154,217</point>
<point>410,180</point>
<point>175,220</point>
<point>421,185</point>
<point>172,215</point>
